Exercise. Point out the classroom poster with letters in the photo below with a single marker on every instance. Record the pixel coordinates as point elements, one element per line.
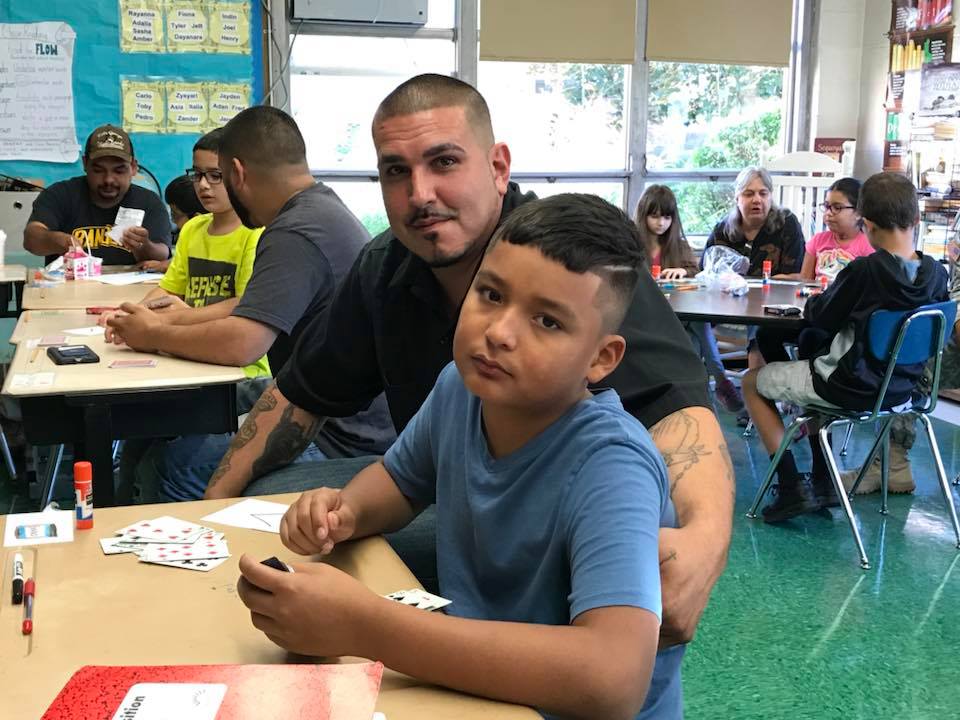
<point>226,100</point>
<point>229,27</point>
<point>36,92</point>
<point>187,27</point>
<point>143,105</point>
<point>186,107</point>
<point>141,26</point>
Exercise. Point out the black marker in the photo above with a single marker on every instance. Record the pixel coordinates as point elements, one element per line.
<point>17,579</point>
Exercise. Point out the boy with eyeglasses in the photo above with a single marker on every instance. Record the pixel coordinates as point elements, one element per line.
<point>212,263</point>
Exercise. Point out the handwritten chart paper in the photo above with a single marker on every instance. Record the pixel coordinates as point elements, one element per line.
<point>36,92</point>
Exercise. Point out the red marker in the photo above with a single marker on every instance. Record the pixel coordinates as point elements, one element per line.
<point>28,590</point>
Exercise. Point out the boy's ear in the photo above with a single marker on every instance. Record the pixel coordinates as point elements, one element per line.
<point>609,354</point>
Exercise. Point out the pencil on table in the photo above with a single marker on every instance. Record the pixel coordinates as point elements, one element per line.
<point>33,355</point>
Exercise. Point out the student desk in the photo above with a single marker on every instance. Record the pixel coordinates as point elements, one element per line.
<point>715,306</point>
<point>12,279</point>
<point>80,294</point>
<point>91,405</point>
<point>38,323</point>
<point>95,609</point>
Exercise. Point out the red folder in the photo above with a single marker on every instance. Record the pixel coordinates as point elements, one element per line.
<point>254,692</point>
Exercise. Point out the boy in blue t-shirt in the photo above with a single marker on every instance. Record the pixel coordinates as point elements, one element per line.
<point>549,499</point>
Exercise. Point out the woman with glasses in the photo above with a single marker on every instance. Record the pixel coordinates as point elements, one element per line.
<point>843,241</point>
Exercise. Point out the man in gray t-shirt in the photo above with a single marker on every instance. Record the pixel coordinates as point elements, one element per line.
<point>310,242</point>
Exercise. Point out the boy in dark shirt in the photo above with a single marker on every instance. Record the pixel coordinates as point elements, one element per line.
<point>839,372</point>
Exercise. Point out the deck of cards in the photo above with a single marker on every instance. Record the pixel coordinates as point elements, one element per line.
<point>168,541</point>
<point>419,599</point>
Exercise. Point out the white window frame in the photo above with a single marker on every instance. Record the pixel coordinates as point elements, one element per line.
<point>634,178</point>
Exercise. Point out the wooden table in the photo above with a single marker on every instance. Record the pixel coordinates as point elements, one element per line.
<point>94,609</point>
<point>715,306</point>
<point>91,405</point>
<point>40,323</point>
<point>80,294</point>
<point>12,280</point>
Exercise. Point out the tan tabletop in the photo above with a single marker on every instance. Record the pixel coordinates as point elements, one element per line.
<point>13,273</point>
<point>94,609</point>
<point>81,294</point>
<point>720,307</point>
<point>99,377</point>
<point>41,323</point>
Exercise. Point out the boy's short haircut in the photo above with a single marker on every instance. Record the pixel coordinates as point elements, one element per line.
<point>584,234</point>
<point>263,136</point>
<point>210,142</point>
<point>430,91</point>
<point>180,192</point>
<point>889,201</point>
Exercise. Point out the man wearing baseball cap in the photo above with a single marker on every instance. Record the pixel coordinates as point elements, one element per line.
<point>82,210</point>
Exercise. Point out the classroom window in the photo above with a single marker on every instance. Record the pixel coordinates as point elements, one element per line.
<point>713,116</point>
<point>364,200</point>
<point>701,204</point>
<point>337,83</point>
<point>562,117</point>
<point>612,192</point>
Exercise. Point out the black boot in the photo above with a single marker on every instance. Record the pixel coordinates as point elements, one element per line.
<point>823,490</point>
<point>792,497</point>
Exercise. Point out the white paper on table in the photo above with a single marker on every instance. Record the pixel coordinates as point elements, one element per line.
<point>89,330</point>
<point>252,514</point>
<point>159,701</point>
<point>36,527</point>
<point>126,217</point>
<point>25,380</point>
<point>127,278</point>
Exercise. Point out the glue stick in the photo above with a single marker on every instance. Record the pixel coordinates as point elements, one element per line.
<point>83,490</point>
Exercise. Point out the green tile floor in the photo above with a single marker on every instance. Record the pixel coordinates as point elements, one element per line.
<point>795,629</point>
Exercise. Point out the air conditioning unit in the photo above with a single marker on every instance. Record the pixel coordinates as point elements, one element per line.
<point>389,12</point>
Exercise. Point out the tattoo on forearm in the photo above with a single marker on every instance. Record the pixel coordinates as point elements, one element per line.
<point>266,402</point>
<point>285,442</point>
<point>668,558</point>
<point>677,437</point>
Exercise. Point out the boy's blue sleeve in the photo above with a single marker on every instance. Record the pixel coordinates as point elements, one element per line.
<point>615,508</point>
<point>412,460</point>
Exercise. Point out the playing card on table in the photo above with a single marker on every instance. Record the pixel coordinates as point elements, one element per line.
<point>132,363</point>
<point>164,529</point>
<point>117,545</point>
<point>202,565</point>
<point>205,548</point>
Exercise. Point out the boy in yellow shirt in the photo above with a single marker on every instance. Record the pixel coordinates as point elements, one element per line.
<point>212,263</point>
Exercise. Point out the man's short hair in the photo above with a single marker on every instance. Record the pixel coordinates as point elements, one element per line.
<point>430,91</point>
<point>210,142</point>
<point>889,201</point>
<point>584,233</point>
<point>263,136</point>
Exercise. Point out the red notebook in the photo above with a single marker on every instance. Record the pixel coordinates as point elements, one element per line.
<point>219,692</point>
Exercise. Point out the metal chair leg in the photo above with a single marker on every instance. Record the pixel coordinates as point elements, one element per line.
<point>7,457</point>
<point>942,476</point>
<point>884,431</point>
<point>884,473</point>
<point>846,440</point>
<point>53,468</point>
<point>838,487</point>
<point>748,431</point>
<point>772,467</point>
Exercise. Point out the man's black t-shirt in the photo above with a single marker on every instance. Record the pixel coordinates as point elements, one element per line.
<point>66,207</point>
<point>387,331</point>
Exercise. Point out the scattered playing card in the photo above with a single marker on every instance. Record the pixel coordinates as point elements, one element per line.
<point>164,529</point>
<point>420,599</point>
<point>89,330</point>
<point>199,565</point>
<point>116,546</point>
<point>50,340</point>
<point>137,363</point>
<point>202,549</point>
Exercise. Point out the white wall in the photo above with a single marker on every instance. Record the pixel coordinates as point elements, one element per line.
<point>837,69</point>
<point>873,88</point>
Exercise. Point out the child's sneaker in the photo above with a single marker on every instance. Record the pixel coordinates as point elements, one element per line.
<point>728,395</point>
<point>790,500</point>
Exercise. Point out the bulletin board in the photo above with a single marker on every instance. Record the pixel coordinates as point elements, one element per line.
<point>101,66</point>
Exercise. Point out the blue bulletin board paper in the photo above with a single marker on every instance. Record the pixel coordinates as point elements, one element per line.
<point>98,66</point>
